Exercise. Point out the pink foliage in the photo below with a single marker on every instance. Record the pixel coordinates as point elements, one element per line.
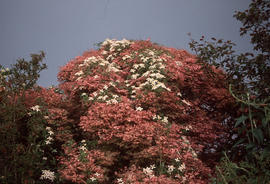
<point>137,104</point>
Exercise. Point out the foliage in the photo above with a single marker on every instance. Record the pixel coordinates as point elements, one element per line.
<point>141,113</point>
<point>246,71</point>
<point>129,112</point>
<point>24,133</point>
<point>244,171</point>
<point>248,78</point>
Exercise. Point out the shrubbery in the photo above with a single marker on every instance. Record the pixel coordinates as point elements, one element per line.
<point>129,112</point>
<point>137,112</point>
<point>248,77</point>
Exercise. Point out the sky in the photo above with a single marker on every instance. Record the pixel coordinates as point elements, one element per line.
<point>64,29</point>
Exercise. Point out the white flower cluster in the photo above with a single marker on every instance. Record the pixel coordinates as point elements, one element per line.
<point>154,73</point>
<point>3,70</point>
<point>178,63</point>
<point>164,119</point>
<point>187,128</point>
<point>49,138</point>
<point>3,73</point>
<point>139,108</point>
<point>113,48</point>
<point>83,146</point>
<point>182,167</point>
<point>126,57</point>
<point>170,169</point>
<point>190,149</point>
<point>149,171</point>
<point>47,174</point>
<point>120,181</point>
<point>116,45</point>
<point>36,108</point>
<point>103,95</point>
<point>95,61</point>
<point>94,178</point>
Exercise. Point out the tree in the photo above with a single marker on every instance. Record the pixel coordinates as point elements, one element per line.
<point>245,71</point>
<point>248,78</point>
<point>141,113</point>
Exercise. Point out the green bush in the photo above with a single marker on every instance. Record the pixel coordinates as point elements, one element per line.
<point>23,130</point>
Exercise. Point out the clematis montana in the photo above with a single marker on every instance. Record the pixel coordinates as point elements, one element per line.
<point>137,104</point>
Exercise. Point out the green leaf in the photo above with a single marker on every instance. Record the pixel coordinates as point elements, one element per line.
<point>264,122</point>
<point>250,146</point>
<point>240,120</point>
<point>258,134</point>
<point>238,142</point>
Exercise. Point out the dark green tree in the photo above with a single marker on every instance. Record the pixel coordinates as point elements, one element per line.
<point>248,78</point>
<point>245,71</point>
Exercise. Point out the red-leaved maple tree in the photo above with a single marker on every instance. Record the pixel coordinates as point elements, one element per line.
<point>137,112</point>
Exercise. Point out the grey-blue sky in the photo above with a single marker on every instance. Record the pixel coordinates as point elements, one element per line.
<point>65,29</point>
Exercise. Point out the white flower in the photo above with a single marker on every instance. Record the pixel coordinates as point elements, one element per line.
<point>83,94</point>
<point>83,148</point>
<point>186,102</point>
<point>132,70</point>
<point>48,140</point>
<point>126,57</point>
<point>47,174</point>
<point>139,108</point>
<point>152,166</point>
<point>148,171</point>
<point>177,160</point>
<point>134,76</point>
<point>146,73</point>
<point>194,154</point>
<point>182,167</point>
<point>97,174</point>
<point>48,128</point>
<point>178,63</point>
<point>79,73</point>
<point>179,94</point>
<point>151,53</point>
<point>104,97</point>
<point>170,168</point>
<point>119,180</point>
<point>136,66</point>
<point>36,108</point>
<point>165,119</point>
<point>112,101</point>
<point>141,65</point>
<point>104,52</point>
<point>95,93</point>
<point>157,75</point>
<point>50,132</point>
<point>112,84</point>
<point>105,87</point>
<point>93,179</point>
